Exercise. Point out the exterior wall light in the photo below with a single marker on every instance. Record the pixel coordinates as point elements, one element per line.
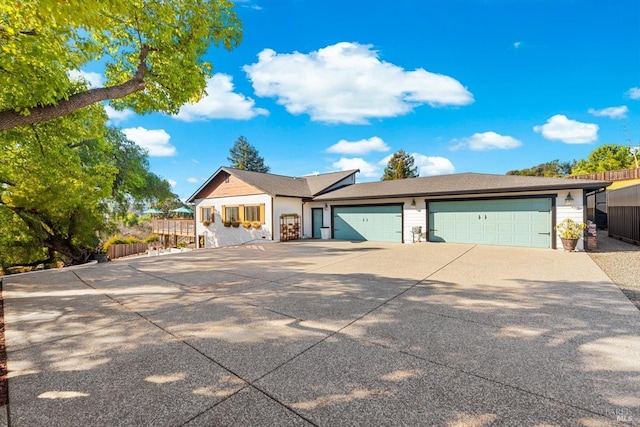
<point>326,207</point>
<point>413,204</point>
<point>568,201</point>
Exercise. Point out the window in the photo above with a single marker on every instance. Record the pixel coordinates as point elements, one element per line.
<point>243,213</point>
<point>231,213</point>
<point>252,213</point>
<point>206,214</point>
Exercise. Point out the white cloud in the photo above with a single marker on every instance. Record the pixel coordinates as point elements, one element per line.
<point>634,93</point>
<point>116,116</point>
<point>560,128</point>
<point>193,180</point>
<point>432,165</point>
<point>348,83</point>
<point>487,141</point>
<point>611,112</point>
<point>172,182</point>
<point>155,141</point>
<point>517,44</point>
<point>220,102</point>
<point>362,146</point>
<point>92,79</point>
<point>367,170</point>
<point>196,161</point>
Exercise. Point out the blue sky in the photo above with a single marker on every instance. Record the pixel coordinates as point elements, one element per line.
<point>465,86</point>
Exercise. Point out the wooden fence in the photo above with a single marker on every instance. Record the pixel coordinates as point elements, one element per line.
<point>126,249</point>
<point>619,175</point>
<point>623,210</point>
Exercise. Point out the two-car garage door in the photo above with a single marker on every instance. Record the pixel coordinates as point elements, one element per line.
<point>507,221</point>
<point>510,222</point>
<point>382,223</point>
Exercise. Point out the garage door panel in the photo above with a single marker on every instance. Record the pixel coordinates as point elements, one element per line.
<point>511,222</point>
<point>368,222</point>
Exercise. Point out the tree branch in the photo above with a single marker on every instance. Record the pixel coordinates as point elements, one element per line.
<point>11,118</point>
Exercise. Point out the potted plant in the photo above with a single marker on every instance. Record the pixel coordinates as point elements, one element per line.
<point>236,224</point>
<point>227,223</point>
<point>570,232</point>
<point>246,225</point>
<point>256,225</point>
<point>206,223</point>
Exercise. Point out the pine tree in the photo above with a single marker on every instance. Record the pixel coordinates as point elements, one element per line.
<point>400,166</point>
<point>245,156</point>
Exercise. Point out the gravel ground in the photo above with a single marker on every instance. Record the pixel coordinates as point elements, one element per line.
<point>621,262</point>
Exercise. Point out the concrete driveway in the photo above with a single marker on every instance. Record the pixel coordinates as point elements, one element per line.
<point>325,333</point>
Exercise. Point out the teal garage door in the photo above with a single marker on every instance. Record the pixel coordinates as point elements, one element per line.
<point>508,222</point>
<point>381,223</point>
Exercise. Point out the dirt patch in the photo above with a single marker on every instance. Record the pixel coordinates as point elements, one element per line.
<point>621,262</point>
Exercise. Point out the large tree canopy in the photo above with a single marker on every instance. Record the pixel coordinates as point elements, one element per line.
<point>400,166</point>
<point>151,51</point>
<point>551,169</point>
<point>59,179</point>
<point>607,157</point>
<point>245,156</point>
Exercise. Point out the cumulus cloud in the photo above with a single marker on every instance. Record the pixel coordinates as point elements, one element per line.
<point>367,169</point>
<point>362,146</point>
<point>155,141</point>
<point>172,182</point>
<point>91,78</point>
<point>348,83</point>
<point>487,141</point>
<point>560,128</point>
<point>634,93</point>
<point>432,165</point>
<point>517,44</point>
<point>220,102</point>
<point>193,180</point>
<point>611,112</point>
<point>116,116</point>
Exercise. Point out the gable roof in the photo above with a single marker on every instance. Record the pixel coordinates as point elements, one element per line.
<point>456,184</point>
<point>281,185</point>
<point>320,182</point>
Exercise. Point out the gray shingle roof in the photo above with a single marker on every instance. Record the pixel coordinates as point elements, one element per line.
<point>276,185</point>
<point>280,185</point>
<point>456,184</point>
<point>319,183</point>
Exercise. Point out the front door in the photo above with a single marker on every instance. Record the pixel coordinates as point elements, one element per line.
<point>316,222</point>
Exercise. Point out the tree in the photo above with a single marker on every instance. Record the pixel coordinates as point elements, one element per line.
<point>245,156</point>
<point>55,194</point>
<point>152,53</point>
<point>607,157</point>
<point>554,168</point>
<point>400,166</point>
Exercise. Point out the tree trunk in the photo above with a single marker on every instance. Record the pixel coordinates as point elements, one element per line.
<point>11,118</point>
<point>64,247</point>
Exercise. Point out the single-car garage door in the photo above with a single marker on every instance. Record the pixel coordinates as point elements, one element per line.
<point>382,223</point>
<point>509,222</point>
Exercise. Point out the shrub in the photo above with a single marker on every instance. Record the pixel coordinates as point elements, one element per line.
<point>152,238</point>
<point>118,239</point>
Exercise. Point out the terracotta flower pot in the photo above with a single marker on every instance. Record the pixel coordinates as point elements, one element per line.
<point>569,244</point>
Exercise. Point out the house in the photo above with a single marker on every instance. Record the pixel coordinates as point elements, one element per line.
<point>244,197</point>
<point>463,208</point>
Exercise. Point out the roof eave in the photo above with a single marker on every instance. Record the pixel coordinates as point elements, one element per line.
<point>193,196</point>
<point>585,186</point>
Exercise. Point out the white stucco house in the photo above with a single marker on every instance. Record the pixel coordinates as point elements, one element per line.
<point>463,208</point>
